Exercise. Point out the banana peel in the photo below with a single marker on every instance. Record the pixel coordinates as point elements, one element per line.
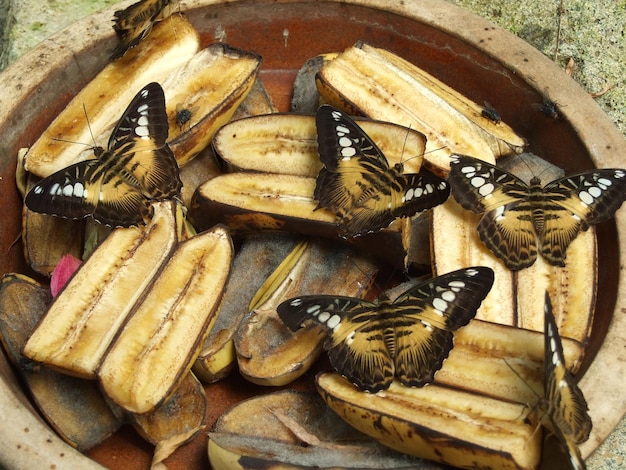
<point>295,430</point>
<point>437,423</point>
<point>175,422</point>
<point>268,353</point>
<point>74,408</point>
<point>255,260</point>
<point>100,103</point>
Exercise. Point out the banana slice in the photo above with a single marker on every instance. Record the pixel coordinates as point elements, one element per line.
<point>210,87</point>
<point>248,202</point>
<point>386,87</point>
<point>103,100</point>
<point>438,423</point>
<point>155,350</point>
<point>287,144</point>
<point>83,320</point>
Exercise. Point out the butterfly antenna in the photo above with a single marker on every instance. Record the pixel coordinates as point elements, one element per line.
<point>425,153</point>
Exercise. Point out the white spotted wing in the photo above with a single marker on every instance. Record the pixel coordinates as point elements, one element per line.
<point>408,338</point>
<point>563,410</point>
<point>357,183</point>
<point>518,220</point>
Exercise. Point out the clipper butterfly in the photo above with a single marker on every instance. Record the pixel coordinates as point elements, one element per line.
<point>118,186</point>
<point>135,22</point>
<point>518,219</point>
<point>357,183</point>
<point>563,410</point>
<point>408,338</point>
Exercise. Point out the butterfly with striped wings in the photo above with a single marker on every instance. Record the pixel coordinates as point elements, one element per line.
<point>563,409</point>
<point>118,187</point>
<point>357,183</point>
<point>408,338</point>
<point>518,219</point>
<point>135,22</point>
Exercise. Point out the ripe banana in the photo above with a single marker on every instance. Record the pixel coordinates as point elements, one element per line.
<point>287,144</point>
<point>516,298</point>
<point>210,87</point>
<point>103,100</point>
<point>157,346</point>
<point>450,426</point>
<point>83,320</point>
<point>383,86</point>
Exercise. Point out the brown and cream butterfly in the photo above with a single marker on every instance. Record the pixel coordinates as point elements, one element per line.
<point>408,338</point>
<point>563,409</point>
<point>135,22</point>
<point>118,187</point>
<point>357,183</point>
<point>520,219</point>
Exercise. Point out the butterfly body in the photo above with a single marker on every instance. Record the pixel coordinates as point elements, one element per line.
<point>358,184</point>
<point>563,410</point>
<point>409,337</point>
<point>135,22</point>
<point>519,220</point>
<point>119,185</point>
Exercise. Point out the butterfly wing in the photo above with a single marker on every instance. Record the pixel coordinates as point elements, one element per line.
<point>356,346</point>
<point>135,22</point>
<point>564,405</point>
<point>80,190</point>
<point>424,319</point>
<point>357,183</point>
<point>139,144</point>
<point>506,226</point>
<point>576,202</point>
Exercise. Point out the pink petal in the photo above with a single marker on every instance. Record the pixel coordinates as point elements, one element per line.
<point>64,269</point>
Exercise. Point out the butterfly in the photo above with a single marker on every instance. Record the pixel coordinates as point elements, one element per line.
<point>357,183</point>
<point>519,219</point>
<point>563,410</point>
<point>118,187</point>
<point>408,338</point>
<point>135,22</point>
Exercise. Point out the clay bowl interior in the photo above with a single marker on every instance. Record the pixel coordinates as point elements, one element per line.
<point>470,54</point>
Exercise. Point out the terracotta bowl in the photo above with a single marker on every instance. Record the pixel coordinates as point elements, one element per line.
<point>469,53</point>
